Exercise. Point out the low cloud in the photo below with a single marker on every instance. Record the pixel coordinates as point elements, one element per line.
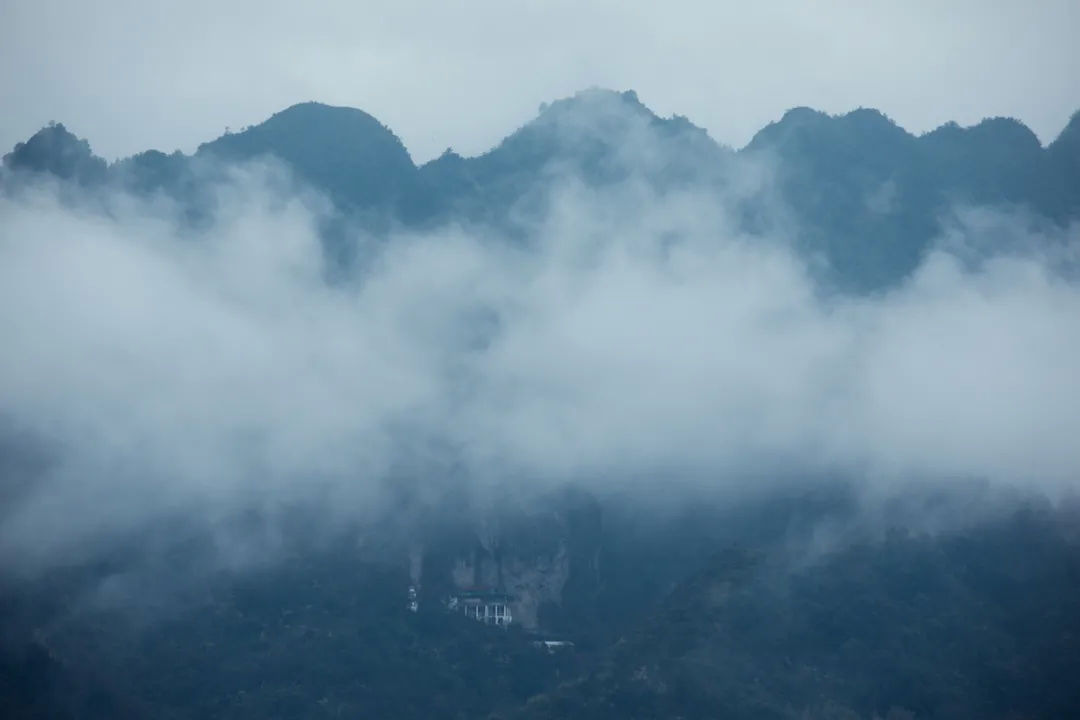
<point>636,339</point>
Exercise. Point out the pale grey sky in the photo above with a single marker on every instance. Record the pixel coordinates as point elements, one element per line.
<point>130,74</point>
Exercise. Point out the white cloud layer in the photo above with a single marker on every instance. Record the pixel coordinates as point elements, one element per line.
<point>162,371</point>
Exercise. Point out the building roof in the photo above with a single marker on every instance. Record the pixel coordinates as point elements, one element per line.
<point>483,594</point>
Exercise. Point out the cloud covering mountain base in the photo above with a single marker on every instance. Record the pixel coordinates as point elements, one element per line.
<point>636,338</point>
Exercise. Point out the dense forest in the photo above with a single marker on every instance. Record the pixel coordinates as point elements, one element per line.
<point>975,622</point>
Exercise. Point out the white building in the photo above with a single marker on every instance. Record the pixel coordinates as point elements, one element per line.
<point>485,606</point>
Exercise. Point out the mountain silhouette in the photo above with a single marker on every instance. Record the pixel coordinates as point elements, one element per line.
<point>859,195</point>
<point>53,150</point>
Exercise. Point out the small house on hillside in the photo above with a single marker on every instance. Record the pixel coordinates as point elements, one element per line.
<point>486,606</point>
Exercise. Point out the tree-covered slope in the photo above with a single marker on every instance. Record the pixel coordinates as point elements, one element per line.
<point>977,624</point>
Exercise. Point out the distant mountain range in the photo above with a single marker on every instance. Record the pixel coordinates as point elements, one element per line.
<point>855,190</point>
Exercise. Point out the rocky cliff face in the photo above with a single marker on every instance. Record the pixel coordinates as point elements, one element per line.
<point>536,582</point>
<point>532,580</point>
<point>529,555</point>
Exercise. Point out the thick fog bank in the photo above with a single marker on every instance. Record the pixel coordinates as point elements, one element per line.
<point>151,370</point>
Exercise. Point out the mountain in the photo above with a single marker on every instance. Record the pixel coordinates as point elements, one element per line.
<point>854,188</point>
<point>1063,157</point>
<point>600,136</point>
<point>861,197</point>
<point>779,599</point>
<point>998,161</point>
<point>344,152</point>
<point>54,151</point>
<point>871,198</point>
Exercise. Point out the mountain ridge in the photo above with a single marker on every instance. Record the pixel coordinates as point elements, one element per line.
<point>862,192</point>
<point>1069,133</point>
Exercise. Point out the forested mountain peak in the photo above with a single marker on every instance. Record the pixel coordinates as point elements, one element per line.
<point>345,151</point>
<point>802,128</point>
<point>1070,134</point>
<point>56,151</point>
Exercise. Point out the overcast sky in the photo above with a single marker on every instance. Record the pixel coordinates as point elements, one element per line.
<point>130,75</point>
